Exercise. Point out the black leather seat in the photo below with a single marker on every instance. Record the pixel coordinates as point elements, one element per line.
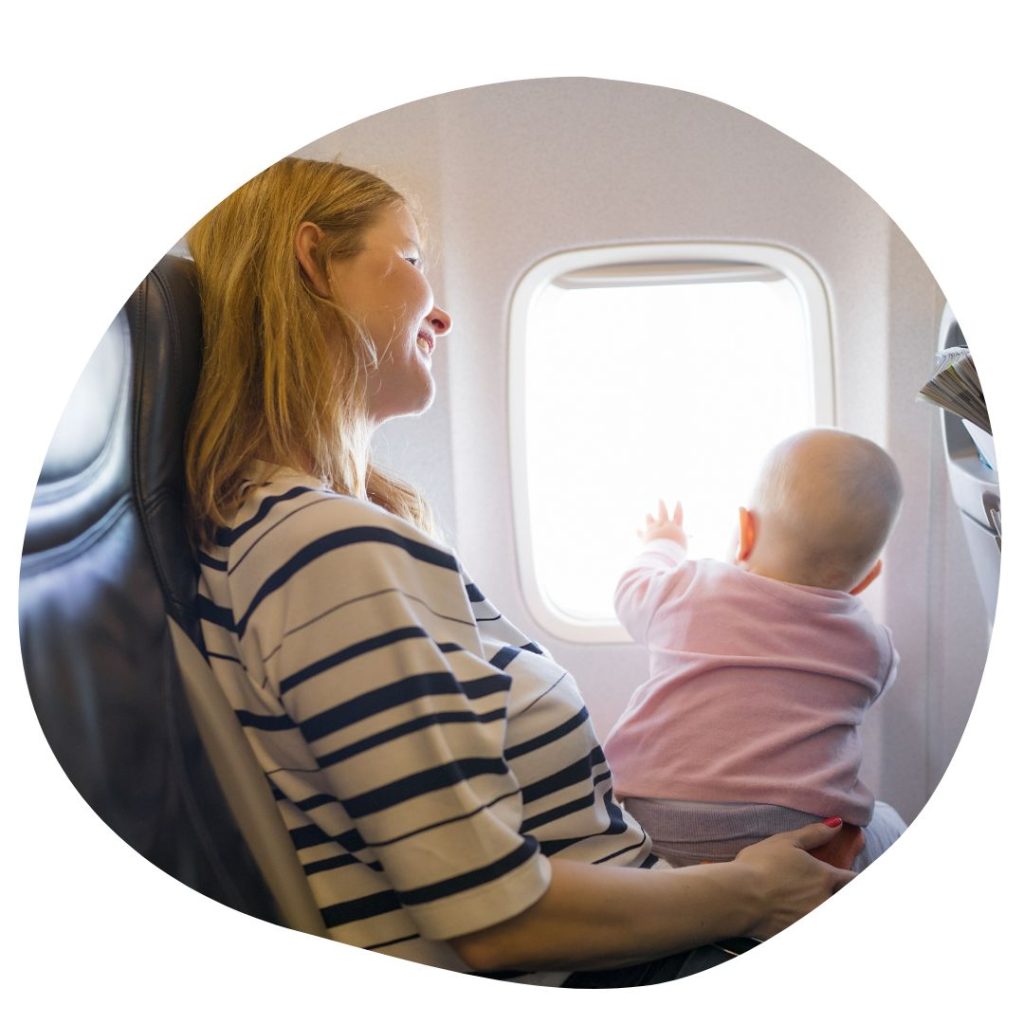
<point>107,575</point>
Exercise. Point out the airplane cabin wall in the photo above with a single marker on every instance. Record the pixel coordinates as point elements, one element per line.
<point>506,175</point>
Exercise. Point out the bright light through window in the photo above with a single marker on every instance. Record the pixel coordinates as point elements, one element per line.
<point>636,391</point>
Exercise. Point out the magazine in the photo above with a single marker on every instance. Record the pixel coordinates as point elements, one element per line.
<point>955,387</point>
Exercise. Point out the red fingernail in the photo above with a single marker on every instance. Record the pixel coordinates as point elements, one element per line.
<point>833,822</point>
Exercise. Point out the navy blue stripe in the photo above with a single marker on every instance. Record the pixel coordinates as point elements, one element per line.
<point>222,657</point>
<point>211,562</point>
<point>361,909</point>
<point>343,860</point>
<point>568,776</point>
<point>393,942</point>
<point>325,496</point>
<point>618,823</point>
<point>548,737</point>
<point>449,648</point>
<point>268,723</point>
<point>627,849</point>
<point>471,879</point>
<point>447,821</point>
<point>552,847</point>
<point>329,864</point>
<point>535,648</point>
<point>353,842</point>
<point>372,643</point>
<point>341,539</point>
<point>214,613</point>
<point>474,689</point>
<point>308,835</point>
<point>404,691</point>
<point>649,861</point>
<point>505,657</point>
<point>313,802</point>
<point>312,835</point>
<point>616,827</point>
<point>386,697</point>
<point>224,537</point>
<point>562,811</point>
<point>367,597</point>
<point>442,776</point>
<point>473,592</point>
<point>323,724</point>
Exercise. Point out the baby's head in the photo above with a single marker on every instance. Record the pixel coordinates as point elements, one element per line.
<point>821,511</point>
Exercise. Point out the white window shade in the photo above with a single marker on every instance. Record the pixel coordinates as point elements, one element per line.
<point>644,372</point>
<point>666,272</point>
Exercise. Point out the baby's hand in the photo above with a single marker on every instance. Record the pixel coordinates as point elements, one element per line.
<point>663,525</point>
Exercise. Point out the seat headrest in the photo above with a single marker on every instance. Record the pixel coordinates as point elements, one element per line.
<point>106,561</point>
<point>86,471</point>
<point>89,469</point>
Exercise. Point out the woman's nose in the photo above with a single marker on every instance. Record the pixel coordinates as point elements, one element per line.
<point>440,321</point>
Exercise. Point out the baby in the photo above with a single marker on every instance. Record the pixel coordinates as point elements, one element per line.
<point>761,671</point>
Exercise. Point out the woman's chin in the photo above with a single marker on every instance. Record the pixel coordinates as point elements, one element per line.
<point>410,405</point>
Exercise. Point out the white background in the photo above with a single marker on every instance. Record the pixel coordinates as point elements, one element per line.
<point>124,123</point>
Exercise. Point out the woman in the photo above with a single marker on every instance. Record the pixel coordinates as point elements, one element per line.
<point>437,771</point>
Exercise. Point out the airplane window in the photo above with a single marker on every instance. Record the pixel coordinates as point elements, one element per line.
<point>647,372</point>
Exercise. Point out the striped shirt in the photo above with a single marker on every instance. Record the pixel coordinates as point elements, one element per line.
<point>426,757</point>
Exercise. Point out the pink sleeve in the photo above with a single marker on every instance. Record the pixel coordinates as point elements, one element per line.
<point>894,662</point>
<point>644,585</point>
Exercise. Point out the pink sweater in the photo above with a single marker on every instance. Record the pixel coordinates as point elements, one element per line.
<point>757,688</point>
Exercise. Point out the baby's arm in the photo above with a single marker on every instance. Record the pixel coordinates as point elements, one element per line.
<point>643,586</point>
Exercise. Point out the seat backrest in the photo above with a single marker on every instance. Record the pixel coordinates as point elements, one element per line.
<point>107,574</point>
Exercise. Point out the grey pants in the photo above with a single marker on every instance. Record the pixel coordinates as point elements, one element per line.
<point>689,832</point>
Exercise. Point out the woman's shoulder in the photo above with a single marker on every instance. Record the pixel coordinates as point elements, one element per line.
<point>277,494</point>
<point>297,551</point>
<point>284,510</point>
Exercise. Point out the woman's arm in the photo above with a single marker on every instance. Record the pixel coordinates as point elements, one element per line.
<point>595,917</point>
<point>365,633</point>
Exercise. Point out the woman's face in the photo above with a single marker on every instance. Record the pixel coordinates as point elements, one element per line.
<point>383,288</point>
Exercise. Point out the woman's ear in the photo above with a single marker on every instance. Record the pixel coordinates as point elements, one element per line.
<point>872,575</point>
<point>747,535</point>
<point>307,241</point>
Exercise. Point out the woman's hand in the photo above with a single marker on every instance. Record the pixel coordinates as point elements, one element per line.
<point>791,881</point>
<point>595,916</point>
<point>663,525</point>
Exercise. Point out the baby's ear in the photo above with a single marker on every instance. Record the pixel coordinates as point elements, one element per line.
<point>747,535</point>
<point>872,575</point>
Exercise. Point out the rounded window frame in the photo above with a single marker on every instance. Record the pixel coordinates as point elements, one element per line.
<point>804,277</point>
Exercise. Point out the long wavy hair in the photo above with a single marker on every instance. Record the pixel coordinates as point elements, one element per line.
<point>276,384</point>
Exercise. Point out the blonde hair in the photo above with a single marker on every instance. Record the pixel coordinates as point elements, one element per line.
<point>274,384</point>
<point>827,501</point>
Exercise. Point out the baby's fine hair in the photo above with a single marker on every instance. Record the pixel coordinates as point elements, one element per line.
<point>829,499</point>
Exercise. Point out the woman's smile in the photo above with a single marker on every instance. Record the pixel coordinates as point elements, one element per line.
<point>383,287</point>
<point>425,341</point>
